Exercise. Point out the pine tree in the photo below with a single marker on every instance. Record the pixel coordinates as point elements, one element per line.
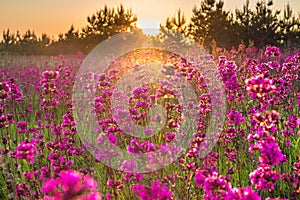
<point>106,23</point>
<point>261,25</point>
<point>176,23</point>
<point>290,28</point>
<point>210,22</point>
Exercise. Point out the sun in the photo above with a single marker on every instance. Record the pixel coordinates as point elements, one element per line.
<point>149,26</point>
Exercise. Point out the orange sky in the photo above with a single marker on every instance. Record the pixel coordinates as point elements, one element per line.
<point>56,16</point>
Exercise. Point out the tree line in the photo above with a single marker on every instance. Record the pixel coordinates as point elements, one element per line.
<point>209,25</point>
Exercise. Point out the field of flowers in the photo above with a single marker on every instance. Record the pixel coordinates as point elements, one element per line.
<point>257,155</point>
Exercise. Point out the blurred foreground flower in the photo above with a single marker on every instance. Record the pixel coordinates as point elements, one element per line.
<point>71,185</point>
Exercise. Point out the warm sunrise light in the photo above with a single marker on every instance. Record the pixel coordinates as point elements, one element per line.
<point>54,17</point>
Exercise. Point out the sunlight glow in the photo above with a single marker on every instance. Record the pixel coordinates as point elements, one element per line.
<point>149,26</point>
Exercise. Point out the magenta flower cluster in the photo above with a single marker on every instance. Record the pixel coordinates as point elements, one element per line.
<point>71,185</point>
<point>256,154</point>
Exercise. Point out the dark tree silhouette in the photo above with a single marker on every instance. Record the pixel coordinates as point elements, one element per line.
<point>290,28</point>
<point>173,32</point>
<point>177,23</point>
<point>106,23</point>
<point>261,25</point>
<point>210,22</point>
<point>210,25</point>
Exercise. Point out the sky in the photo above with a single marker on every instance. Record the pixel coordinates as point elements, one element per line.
<point>56,16</point>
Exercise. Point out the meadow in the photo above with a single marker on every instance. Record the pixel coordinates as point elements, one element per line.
<point>256,155</point>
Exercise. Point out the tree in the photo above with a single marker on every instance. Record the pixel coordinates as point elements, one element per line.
<point>44,41</point>
<point>210,22</point>
<point>242,22</point>
<point>176,23</point>
<point>71,43</point>
<point>290,28</point>
<point>106,23</point>
<point>42,44</point>
<point>8,38</point>
<point>123,20</point>
<point>71,33</point>
<point>261,25</point>
<point>29,43</point>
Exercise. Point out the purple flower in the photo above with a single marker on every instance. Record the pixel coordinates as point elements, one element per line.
<point>156,191</point>
<point>22,191</point>
<point>264,177</point>
<point>293,122</point>
<point>26,150</point>
<point>112,138</point>
<point>270,152</point>
<point>50,75</point>
<point>272,51</point>
<point>140,147</point>
<point>258,86</point>
<point>274,65</point>
<point>22,127</point>
<point>242,194</point>
<point>11,90</point>
<point>235,117</point>
<point>215,186</point>
<point>170,137</point>
<point>200,177</point>
<point>72,184</point>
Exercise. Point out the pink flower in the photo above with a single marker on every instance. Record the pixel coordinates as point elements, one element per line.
<point>272,51</point>
<point>242,194</point>
<point>26,150</point>
<point>71,185</point>
<point>156,191</point>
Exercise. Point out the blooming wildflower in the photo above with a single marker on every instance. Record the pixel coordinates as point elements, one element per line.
<point>112,138</point>
<point>228,70</point>
<point>26,150</point>
<point>235,117</point>
<point>71,185</point>
<point>116,184</point>
<point>137,147</point>
<point>258,86</point>
<point>272,51</point>
<point>109,196</point>
<point>274,65</point>
<point>270,152</point>
<point>49,88</point>
<point>246,193</point>
<point>156,191</point>
<point>68,120</point>
<point>264,177</point>
<point>22,191</point>
<point>216,186</point>
<point>293,122</point>
<point>22,127</point>
<point>170,137</point>
<point>10,90</point>
<point>50,75</point>
<point>296,176</point>
<point>200,177</point>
